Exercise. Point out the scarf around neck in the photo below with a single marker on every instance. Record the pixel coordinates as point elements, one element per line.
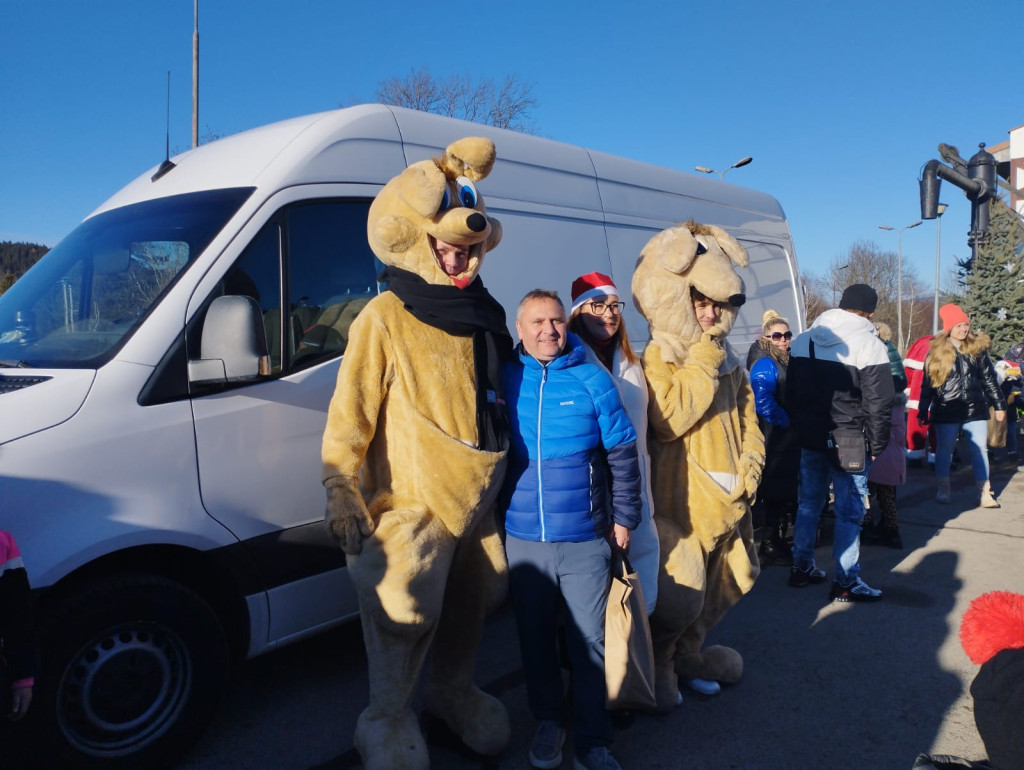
<point>466,312</point>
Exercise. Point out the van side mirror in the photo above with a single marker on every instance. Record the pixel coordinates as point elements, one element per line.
<point>233,347</point>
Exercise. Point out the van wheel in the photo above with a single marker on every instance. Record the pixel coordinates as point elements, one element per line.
<point>133,668</point>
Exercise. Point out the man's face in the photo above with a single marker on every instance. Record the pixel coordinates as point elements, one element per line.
<point>452,258</point>
<point>541,327</point>
<point>708,312</point>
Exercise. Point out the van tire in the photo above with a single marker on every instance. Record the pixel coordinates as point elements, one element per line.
<point>133,667</point>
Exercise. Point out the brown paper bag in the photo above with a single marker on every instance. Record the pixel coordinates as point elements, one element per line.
<point>628,655</point>
<point>996,430</point>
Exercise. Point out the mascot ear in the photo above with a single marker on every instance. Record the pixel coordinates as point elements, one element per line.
<point>422,186</point>
<point>396,234</point>
<point>495,236</point>
<point>472,157</point>
<point>730,246</point>
<point>674,248</point>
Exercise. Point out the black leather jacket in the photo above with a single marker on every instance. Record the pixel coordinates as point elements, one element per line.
<point>965,396</point>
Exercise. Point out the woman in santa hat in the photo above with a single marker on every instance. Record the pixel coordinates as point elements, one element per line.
<point>958,388</point>
<point>596,318</point>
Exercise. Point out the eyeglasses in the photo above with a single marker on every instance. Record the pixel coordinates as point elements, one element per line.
<point>776,336</point>
<point>598,308</point>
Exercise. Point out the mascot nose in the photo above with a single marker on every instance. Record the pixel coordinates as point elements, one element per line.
<point>476,222</point>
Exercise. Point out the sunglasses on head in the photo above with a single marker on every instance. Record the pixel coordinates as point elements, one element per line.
<point>780,336</point>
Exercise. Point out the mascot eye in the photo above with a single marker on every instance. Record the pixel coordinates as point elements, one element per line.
<point>446,199</point>
<point>466,192</point>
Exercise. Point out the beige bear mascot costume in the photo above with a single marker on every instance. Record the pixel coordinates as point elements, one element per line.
<point>706,451</point>
<point>414,456</point>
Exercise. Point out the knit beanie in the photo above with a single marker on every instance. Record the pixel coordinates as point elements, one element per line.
<point>992,634</point>
<point>952,315</point>
<point>589,286</point>
<point>859,296</point>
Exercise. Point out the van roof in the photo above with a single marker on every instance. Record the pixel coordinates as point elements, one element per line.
<point>370,143</point>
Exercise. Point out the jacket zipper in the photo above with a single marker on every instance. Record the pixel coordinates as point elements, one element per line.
<point>540,482</point>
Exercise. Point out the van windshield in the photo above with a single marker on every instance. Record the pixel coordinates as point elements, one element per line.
<point>78,305</point>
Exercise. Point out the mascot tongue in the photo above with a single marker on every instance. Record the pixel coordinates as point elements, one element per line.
<point>462,283</point>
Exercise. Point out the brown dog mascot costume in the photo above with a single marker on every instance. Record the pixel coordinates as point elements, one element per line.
<point>414,456</point>
<point>706,451</point>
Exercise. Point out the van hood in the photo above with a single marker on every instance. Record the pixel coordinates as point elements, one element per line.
<point>32,400</point>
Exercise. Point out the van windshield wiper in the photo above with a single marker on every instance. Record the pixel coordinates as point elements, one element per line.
<point>16,364</point>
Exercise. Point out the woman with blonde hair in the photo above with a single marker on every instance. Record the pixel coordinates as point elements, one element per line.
<point>959,387</point>
<point>596,318</point>
<point>767,361</point>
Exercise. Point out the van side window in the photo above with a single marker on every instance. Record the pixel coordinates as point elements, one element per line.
<point>319,249</point>
<point>332,274</point>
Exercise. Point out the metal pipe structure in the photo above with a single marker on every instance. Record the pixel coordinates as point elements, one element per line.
<point>979,186</point>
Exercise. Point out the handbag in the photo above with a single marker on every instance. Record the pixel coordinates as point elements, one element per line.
<point>848,449</point>
<point>628,653</point>
<point>996,430</point>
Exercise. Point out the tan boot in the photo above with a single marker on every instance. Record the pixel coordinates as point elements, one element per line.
<point>943,495</point>
<point>987,499</point>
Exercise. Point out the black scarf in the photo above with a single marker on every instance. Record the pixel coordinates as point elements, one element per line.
<point>462,312</point>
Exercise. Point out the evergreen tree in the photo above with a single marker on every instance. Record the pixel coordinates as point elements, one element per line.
<point>994,297</point>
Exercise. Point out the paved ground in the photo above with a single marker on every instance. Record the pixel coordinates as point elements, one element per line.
<point>826,685</point>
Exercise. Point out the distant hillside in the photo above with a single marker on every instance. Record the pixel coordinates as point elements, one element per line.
<point>15,259</point>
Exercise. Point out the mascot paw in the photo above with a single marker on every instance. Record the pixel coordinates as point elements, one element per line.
<point>391,742</point>
<point>722,663</point>
<point>346,514</point>
<point>751,467</point>
<point>480,720</point>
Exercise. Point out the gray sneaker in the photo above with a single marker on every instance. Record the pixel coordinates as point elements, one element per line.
<point>598,758</point>
<point>546,749</point>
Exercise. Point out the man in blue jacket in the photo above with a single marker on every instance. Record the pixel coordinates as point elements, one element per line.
<point>575,484</point>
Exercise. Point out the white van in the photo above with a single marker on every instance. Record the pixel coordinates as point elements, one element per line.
<point>163,477</point>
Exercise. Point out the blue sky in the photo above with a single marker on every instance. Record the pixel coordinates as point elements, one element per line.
<point>840,104</point>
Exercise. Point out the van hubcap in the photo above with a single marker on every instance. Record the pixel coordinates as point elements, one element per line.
<point>124,689</point>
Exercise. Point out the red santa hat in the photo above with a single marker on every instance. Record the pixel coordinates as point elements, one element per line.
<point>589,286</point>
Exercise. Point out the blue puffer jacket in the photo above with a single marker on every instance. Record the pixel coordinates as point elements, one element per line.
<point>764,380</point>
<point>570,433</point>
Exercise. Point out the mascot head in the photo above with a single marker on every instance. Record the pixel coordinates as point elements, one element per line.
<point>678,265</point>
<point>430,219</point>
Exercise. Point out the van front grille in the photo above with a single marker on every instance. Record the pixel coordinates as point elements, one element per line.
<point>11,384</point>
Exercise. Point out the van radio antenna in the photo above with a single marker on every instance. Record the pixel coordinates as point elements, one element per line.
<point>166,165</point>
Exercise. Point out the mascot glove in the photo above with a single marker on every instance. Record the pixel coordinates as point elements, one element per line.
<point>346,515</point>
<point>709,350</point>
<point>751,466</point>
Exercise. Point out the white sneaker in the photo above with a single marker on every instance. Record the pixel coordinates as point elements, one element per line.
<point>705,686</point>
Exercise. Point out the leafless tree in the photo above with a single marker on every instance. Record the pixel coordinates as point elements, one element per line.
<point>504,104</point>
<point>865,262</point>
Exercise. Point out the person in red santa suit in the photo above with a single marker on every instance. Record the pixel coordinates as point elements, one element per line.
<point>920,441</point>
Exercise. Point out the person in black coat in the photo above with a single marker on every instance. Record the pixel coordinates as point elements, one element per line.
<point>958,388</point>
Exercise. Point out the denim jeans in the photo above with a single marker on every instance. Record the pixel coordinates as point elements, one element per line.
<point>816,470</point>
<point>945,440</point>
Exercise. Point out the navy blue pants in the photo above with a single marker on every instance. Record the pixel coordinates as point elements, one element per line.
<point>549,582</point>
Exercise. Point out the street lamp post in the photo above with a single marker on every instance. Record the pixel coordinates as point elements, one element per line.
<point>938,253</point>
<point>721,174</point>
<point>899,279</point>
<point>835,276</point>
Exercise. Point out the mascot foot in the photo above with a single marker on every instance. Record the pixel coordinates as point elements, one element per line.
<point>391,743</point>
<point>478,719</point>
<point>716,664</point>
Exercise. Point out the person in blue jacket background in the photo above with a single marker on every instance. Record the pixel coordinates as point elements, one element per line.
<point>574,484</point>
